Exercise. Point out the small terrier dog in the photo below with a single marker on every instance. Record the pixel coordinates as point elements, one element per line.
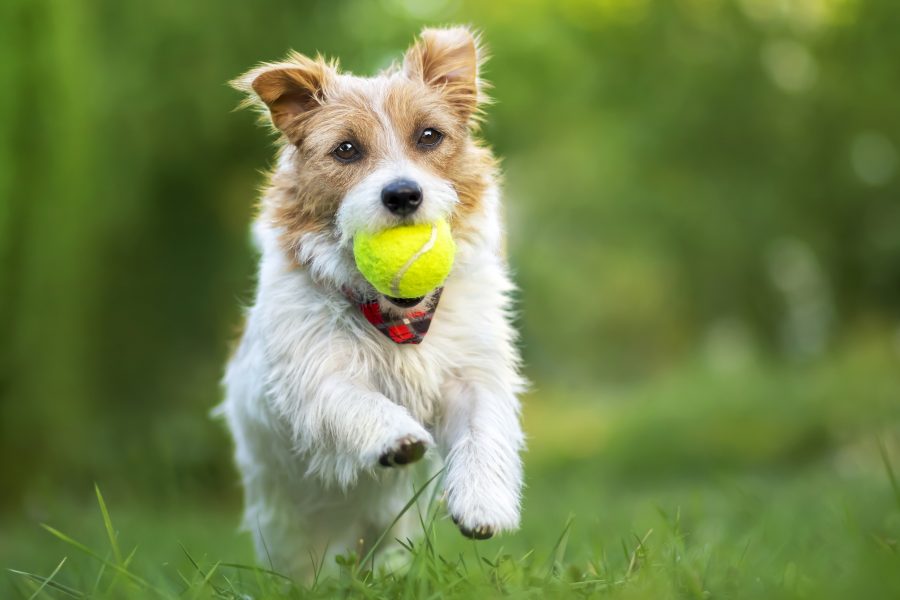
<point>329,394</point>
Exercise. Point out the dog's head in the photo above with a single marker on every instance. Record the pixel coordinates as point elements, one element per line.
<point>367,153</point>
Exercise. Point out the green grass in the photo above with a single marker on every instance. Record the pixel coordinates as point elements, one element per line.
<point>763,483</point>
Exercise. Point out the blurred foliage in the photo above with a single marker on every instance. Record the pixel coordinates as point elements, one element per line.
<point>687,182</point>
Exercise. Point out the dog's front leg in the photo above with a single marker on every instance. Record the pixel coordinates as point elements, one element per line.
<point>345,427</point>
<point>482,438</point>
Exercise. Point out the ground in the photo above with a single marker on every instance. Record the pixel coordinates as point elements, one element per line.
<point>763,482</point>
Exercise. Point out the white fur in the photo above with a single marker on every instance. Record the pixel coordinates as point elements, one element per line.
<point>315,394</point>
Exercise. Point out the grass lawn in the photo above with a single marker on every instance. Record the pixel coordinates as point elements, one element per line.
<point>767,482</point>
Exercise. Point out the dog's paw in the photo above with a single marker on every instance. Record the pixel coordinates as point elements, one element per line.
<point>482,500</point>
<point>479,532</point>
<point>479,519</point>
<point>405,451</point>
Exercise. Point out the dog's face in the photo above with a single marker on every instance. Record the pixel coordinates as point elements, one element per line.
<point>371,153</point>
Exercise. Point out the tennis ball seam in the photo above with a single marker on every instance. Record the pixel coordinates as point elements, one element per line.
<point>428,245</point>
<point>406,261</point>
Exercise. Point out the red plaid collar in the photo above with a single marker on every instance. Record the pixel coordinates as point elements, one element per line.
<point>409,328</point>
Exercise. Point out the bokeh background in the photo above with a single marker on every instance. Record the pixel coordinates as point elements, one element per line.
<point>704,220</point>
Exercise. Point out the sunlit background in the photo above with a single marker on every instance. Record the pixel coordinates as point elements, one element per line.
<point>703,203</point>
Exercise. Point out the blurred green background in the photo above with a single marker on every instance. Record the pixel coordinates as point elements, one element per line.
<point>703,202</point>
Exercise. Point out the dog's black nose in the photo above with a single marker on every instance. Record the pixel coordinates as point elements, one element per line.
<point>402,197</point>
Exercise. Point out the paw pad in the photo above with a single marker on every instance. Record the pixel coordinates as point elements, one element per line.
<point>407,451</point>
<point>479,532</point>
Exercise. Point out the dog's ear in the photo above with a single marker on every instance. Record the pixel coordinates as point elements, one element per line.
<point>450,60</point>
<point>288,90</point>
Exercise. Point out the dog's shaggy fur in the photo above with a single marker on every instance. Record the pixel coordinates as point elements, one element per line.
<point>318,399</point>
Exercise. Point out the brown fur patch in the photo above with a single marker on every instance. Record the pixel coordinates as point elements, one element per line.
<point>289,90</point>
<point>448,59</point>
<point>306,199</point>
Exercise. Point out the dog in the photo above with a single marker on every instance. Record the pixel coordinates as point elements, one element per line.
<point>333,389</point>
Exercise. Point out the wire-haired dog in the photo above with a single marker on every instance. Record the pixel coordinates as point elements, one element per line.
<point>326,397</point>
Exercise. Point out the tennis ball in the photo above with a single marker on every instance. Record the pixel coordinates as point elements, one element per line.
<point>407,261</point>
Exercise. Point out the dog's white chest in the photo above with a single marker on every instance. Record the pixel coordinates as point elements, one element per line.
<point>411,376</point>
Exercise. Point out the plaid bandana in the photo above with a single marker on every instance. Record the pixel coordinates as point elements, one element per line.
<point>406,329</point>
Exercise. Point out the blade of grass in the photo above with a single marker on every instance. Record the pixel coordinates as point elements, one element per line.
<point>255,569</point>
<point>318,570</point>
<point>71,592</point>
<point>98,579</point>
<point>478,560</point>
<point>316,567</point>
<point>207,580</point>
<point>425,560</point>
<point>554,556</point>
<point>187,582</point>
<point>130,557</point>
<point>264,544</point>
<point>233,590</point>
<point>588,582</point>
<point>199,570</point>
<point>371,553</point>
<point>48,579</point>
<point>429,548</point>
<point>134,578</point>
<point>107,523</point>
<point>632,563</point>
<point>432,507</point>
<point>115,579</point>
<point>890,470</point>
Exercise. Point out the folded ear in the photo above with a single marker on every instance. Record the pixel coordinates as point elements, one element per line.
<point>289,89</point>
<point>449,59</point>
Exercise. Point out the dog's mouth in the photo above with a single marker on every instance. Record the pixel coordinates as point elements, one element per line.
<point>404,302</point>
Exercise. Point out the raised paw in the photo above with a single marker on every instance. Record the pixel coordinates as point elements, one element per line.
<point>406,451</point>
<point>479,532</point>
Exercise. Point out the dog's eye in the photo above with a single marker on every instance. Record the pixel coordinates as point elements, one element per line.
<point>430,138</point>
<point>346,152</point>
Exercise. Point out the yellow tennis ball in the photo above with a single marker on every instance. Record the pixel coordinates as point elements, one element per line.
<point>407,261</point>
